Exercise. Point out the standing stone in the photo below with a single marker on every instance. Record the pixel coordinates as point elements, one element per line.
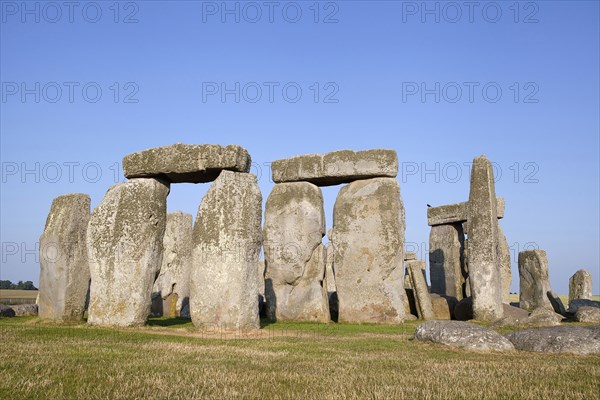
<point>227,239</point>
<point>329,281</point>
<point>261,289</point>
<point>294,255</point>
<point>505,272</point>
<point>416,271</point>
<point>446,263</point>
<point>368,242</point>
<point>64,269</point>
<point>125,248</point>
<point>173,281</point>
<point>534,282</point>
<point>580,286</point>
<point>484,265</point>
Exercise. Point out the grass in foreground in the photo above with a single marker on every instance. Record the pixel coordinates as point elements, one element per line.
<point>170,359</point>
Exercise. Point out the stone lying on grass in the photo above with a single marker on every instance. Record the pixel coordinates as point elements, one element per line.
<point>25,310</point>
<point>462,335</point>
<point>588,314</point>
<point>581,340</point>
<point>575,304</point>
<point>6,311</point>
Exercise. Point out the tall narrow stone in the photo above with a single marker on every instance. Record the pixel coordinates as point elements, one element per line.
<point>227,239</point>
<point>446,262</point>
<point>173,280</point>
<point>368,243</point>
<point>580,286</point>
<point>505,272</point>
<point>534,281</point>
<point>424,306</point>
<point>295,258</point>
<point>125,248</point>
<point>64,269</point>
<point>484,265</point>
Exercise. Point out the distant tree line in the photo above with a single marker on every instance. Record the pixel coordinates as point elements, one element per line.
<point>27,285</point>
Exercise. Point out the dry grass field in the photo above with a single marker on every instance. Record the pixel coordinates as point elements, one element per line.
<point>169,359</point>
<point>17,294</point>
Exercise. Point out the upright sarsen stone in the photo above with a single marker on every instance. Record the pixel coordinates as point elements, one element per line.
<point>484,264</point>
<point>295,258</point>
<point>534,281</point>
<point>504,259</point>
<point>446,260</point>
<point>125,244</point>
<point>580,286</point>
<point>416,272</point>
<point>64,269</point>
<point>368,243</point>
<point>227,239</point>
<point>173,280</point>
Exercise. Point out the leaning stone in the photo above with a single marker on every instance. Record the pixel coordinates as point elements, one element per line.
<point>172,284</point>
<point>588,314</point>
<point>336,167</point>
<point>581,340</point>
<point>419,285</point>
<point>125,243</point>
<point>557,303</point>
<point>505,272</point>
<point>409,256</point>
<point>64,268</point>
<point>484,265</point>
<point>446,262</point>
<point>534,281</point>
<point>368,242</point>
<point>227,239</point>
<point>295,258</point>
<point>457,213</point>
<point>580,286</point>
<point>194,163</point>
<point>463,335</point>
<point>574,305</point>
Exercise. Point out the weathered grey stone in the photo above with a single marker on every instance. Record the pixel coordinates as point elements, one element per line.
<point>446,262</point>
<point>227,239</point>
<point>534,281</point>
<point>295,258</point>
<point>588,314</point>
<point>463,335</point>
<point>409,255</point>
<point>582,340</point>
<point>25,310</point>
<point>463,311</point>
<point>484,265</point>
<point>574,305</point>
<point>329,272</point>
<point>442,306</point>
<point>505,272</point>
<point>194,163</point>
<point>416,270</point>
<point>173,280</point>
<point>542,316</point>
<point>580,286</point>
<point>557,303</point>
<point>6,311</point>
<point>457,213</point>
<point>336,167</point>
<point>368,242</point>
<point>64,268</point>
<point>262,303</point>
<point>125,248</point>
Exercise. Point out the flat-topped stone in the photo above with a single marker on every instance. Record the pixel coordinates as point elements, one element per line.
<point>336,167</point>
<point>457,212</point>
<point>193,163</point>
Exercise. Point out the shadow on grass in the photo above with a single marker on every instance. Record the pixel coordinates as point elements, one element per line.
<point>168,322</point>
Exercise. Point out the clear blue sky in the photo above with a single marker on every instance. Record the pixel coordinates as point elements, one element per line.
<point>389,74</point>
